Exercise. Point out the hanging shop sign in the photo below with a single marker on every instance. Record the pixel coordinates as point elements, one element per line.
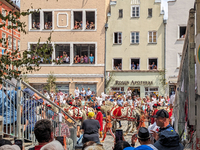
<point>133,82</point>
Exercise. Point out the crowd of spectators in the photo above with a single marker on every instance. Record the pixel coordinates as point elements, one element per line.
<point>118,67</point>
<point>47,26</point>
<point>153,66</point>
<point>84,59</point>
<point>36,25</point>
<point>79,25</point>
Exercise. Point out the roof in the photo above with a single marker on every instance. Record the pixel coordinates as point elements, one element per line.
<point>10,3</point>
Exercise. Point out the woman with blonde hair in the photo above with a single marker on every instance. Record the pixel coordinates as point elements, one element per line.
<point>90,128</point>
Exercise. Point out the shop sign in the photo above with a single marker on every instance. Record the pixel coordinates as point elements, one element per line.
<point>133,82</point>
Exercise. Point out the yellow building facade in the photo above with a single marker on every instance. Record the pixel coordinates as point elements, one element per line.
<point>78,31</point>
<point>135,47</point>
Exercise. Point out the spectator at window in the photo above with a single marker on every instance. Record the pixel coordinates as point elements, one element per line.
<point>34,25</point>
<point>88,93</point>
<point>80,24</point>
<point>133,66</point>
<point>87,25</point>
<point>91,58</point>
<point>92,26</point>
<point>57,59</point>
<point>76,59</point>
<point>43,133</point>
<point>85,59</point>
<point>83,92</point>
<point>82,60</point>
<point>46,26</point>
<point>76,25</point>
<point>138,67</point>
<point>120,66</point>
<point>67,58</point>
<point>38,25</point>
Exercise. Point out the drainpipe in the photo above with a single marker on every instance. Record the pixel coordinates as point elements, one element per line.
<point>106,27</point>
<point>165,23</point>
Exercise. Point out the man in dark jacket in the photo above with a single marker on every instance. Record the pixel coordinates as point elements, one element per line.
<point>168,140</point>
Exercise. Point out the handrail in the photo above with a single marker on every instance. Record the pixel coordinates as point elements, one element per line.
<point>38,93</point>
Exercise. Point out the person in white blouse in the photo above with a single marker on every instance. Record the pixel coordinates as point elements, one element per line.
<point>76,92</point>
<point>83,92</point>
<point>129,92</point>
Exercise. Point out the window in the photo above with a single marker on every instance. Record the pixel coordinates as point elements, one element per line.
<point>117,64</point>
<point>117,38</point>
<point>62,53</point>
<point>90,20</point>
<point>3,12</point>
<point>9,20</point>
<point>179,60</point>
<point>152,37</point>
<point>135,11</point>
<point>48,20</point>
<point>14,44</point>
<point>84,54</point>
<point>78,20</point>
<point>9,42</point>
<point>149,91</point>
<point>135,36</point>
<point>117,89</point>
<point>120,13</point>
<point>47,53</point>
<point>35,21</point>
<point>3,39</point>
<point>182,31</point>
<point>135,64</point>
<point>18,45</point>
<point>150,12</point>
<point>153,64</point>
<point>63,87</point>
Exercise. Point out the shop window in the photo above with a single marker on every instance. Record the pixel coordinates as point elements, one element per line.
<point>150,12</point>
<point>152,37</point>
<point>35,21</point>
<point>149,91</point>
<point>48,20</point>
<point>153,63</point>
<point>117,89</point>
<point>18,45</point>
<point>135,64</point>
<point>90,20</point>
<point>117,64</point>
<point>135,36</point>
<point>62,53</point>
<point>182,31</point>
<point>78,20</point>
<point>47,53</point>
<point>14,44</point>
<point>3,39</point>
<point>135,11</point>
<point>84,54</point>
<point>120,13</point>
<point>117,38</point>
<point>9,42</point>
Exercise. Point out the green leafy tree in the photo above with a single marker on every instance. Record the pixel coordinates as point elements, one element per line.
<point>14,63</point>
<point>51,83</point>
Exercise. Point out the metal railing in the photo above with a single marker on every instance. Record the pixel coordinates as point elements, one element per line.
<point>21,109</point>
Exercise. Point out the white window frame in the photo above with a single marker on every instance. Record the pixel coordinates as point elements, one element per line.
<point>134,58</point>
<point>113,63</point>
<point>3,12</point>
<point>135,37</point>
<point>18,45</point>
<point>117,87</point>
<point>118,38</point>
<point>9,42</point>
<point>179,60</point>
<point>3,39</point>
<point>148,62</point>
<point>58,20</point>
<point>152,37</point>
<point>150,91</point>
<point>135,6</point>
<point>182,25</point>
<point>83,19</point>
<point>14,43</point>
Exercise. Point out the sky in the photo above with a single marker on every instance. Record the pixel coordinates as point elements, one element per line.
<point>17,2</point>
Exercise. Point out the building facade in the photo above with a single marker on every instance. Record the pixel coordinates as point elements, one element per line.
<point>135,47</point>
<point>78,33</point>
<point>178,13</point>
<point>11,37</point>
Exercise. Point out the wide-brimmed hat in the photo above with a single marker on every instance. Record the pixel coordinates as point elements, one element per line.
<point>143,134</point>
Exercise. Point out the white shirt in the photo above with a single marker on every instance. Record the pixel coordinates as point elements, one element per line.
<point>67,59</point>
<point>129,93</point>
<point>88,93</point>
<point>99,101</point>
<point>130,102</point>
<point>83,92</point>
<point>172,98</point>
<point>76,92</point>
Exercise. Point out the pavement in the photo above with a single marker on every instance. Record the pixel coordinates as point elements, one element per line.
<point>109,141</point>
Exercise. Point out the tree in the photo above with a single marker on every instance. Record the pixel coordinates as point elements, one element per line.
<point>14,63</point>
<point>51,82</point>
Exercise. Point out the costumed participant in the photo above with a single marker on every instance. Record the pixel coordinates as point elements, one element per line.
<point>154,113</point>
<point>100,119</point>
<point>142,120</point>
<point>108,126</point>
